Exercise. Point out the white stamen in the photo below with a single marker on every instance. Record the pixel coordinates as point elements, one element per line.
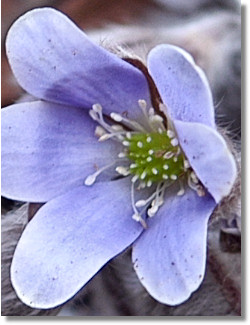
<point>126,143</point>
<point>134,178</point>
<point>144,174</point>
<point>122,155</point>
<point>174,142</point>
<point>140,203</point>
<point>186,164</point>
<point>90,180</point>
<point>181,192</point>
<point>165,176</point>
<point>170,134</point>
<point>116,117</point>
<point>152,211</point>
<point>173,177</point>
<point>99,131</point>
<point>154,171</point>
<point>122,170</point>
<point>128,135</point>
<point>97,108</point>
<point>149,183</point>
<point>194,178</point>
<point>168,155</point>
<point>105,137</point>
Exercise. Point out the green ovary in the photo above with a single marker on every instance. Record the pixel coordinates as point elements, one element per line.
<point>154,158</point>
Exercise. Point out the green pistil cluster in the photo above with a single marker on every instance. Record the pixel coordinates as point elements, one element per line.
<point>155,157</point>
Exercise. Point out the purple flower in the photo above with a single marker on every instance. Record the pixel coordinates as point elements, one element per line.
<point>113,170</point>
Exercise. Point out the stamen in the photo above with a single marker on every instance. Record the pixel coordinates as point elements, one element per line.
<point>122,155</point>
<point>174,142</point>
<point>170,134</point>
<point>168,155</point>
<point>173,177</point>
<point>126,143</point>
<point>139,144</point>
<point>92,178</point>
<point>122,170</point>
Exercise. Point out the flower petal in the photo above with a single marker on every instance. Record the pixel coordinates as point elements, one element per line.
<point>54,60</point>
<point>69,240</point>
<point>209,156</point>
<point>182,85</point>
<point>48,149</point>
<point>169,257</point>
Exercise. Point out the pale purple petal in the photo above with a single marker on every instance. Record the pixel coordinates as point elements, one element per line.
<point>209,156</point>
<point>170,256</point>
<point>48,149</point>
<point>69,240</point>
<point>182,85</point>
<point>54,60</point>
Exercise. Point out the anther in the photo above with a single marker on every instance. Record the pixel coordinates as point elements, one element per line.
<point>173,177</point>
<point>126,143</point>
<point>170,134</point>
<point>174,142</point>
<point>154,171</point>
<point>116,117</point>
<point>139,144</point>
<point>122,155</point>
<point>168,155</point>
<point>165,176</point>
<point>122,170</point>
<point>149,183</point>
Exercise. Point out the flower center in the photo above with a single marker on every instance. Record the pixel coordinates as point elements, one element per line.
<point>151,155</point>
<point>155,156</point>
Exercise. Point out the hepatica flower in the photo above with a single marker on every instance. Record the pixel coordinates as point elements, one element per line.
<point>121,157</point>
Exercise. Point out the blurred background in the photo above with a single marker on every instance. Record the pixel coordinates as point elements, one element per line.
<point>211,31</point>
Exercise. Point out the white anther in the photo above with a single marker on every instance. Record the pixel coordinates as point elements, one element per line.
<point>149,159</point>
<point>151,111</point>
<point>133,165</point>
<point>140,203</point>
<point>117,128</point>
<point>122,155</point>
<point>149,139</point>
<point>143,175</point>
<point>99,131</point>
<point>168,155</point>
<point>149,183</point>
<point>165,176</point>
<point>170,134</point>
<point>150,152</point>
<point>90,180</point>
<point>134,178</point>
<point>126,143</point>
<point>105,137</point>
<point>122,170</point>
<point>154,171</point>
<point>194,178</point>
<point>186,164</point>
<point>156,118</point>
<point>200,190</point>
<point>173,177</point>
<point>174,142</point>
<point>93,115</point>
<point>128,135</point>
<point>97,108</point>
<point>181,192</point>
<point>165,166</point>
<point>142,104</point>
<point>116,117</point>
<point>139,144</point>
<point>152,211</point>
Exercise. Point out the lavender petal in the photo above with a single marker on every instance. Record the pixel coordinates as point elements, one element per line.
<point>169,257</point>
